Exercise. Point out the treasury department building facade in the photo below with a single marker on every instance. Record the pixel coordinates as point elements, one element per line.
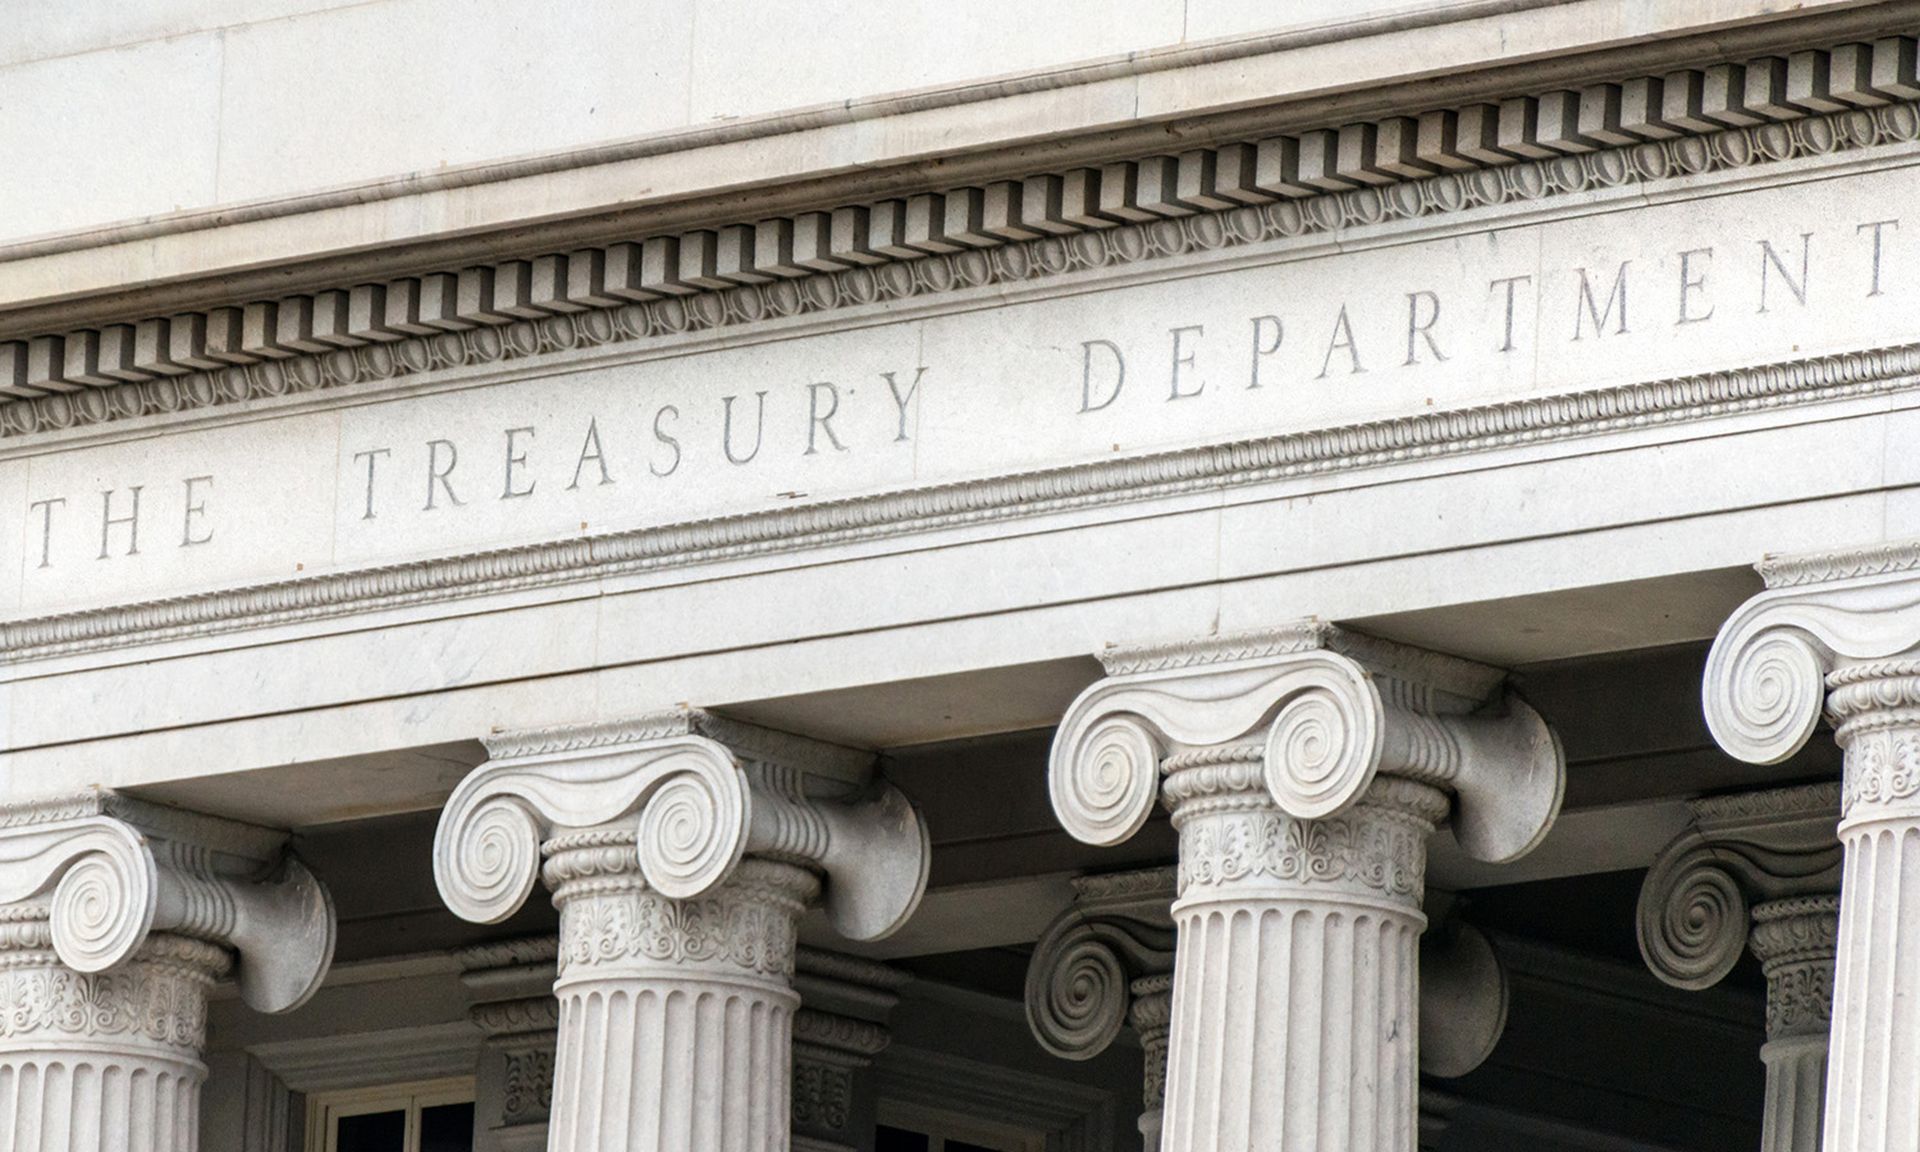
<point>1180,574</point>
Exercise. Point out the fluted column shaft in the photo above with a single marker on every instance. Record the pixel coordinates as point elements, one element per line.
<point>1794,941</point>
<point>103,1062</point>
<point>1151,1016</point>
<point>676,1016</point>
<point>1296,982</point>
<point>1873,1079</point>
<point>115,919</point>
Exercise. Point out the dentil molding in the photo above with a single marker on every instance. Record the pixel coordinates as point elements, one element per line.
<point>1529,147</point>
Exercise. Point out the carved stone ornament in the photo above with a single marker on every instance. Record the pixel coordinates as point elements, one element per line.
<point>108,872</point>
<point>116,917</point>
<point>697,792</point>
<point>1759,869</point>
<point>1694,913</point>
<point>681,849</point>
<point>1766,685</point>
<point>840,1027</point>
<point>1329,709</point>
<point>510,983</point>
<point>1108,961</point>
<point>1839,633</point>
<point>1304,768</point>
<point>1434,163</point>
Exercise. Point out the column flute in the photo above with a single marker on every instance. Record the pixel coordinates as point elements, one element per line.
<point>681,849</point>
<point>1839,635</point>
<point>1758,870</point>
<point>1305,768</point>
<point>116,917</point>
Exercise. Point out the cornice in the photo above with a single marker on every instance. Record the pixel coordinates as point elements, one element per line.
<point>1465,680</point>
<point>1845,564</point>
<point>748,741</point>
<point>669,287</point>
<point>1131,64</point>
<point>913,510</point>
<point>251,844</point>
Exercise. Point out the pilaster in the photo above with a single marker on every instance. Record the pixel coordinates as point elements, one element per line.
<point>511,985</point>
<point>840,1027</point>
<point>1305,768</point>
<point>1839,635</point>
<point>115,919</point>
<point>1759,870</point>
<point>681,849</point>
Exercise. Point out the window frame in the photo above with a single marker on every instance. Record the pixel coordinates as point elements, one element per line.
<point>939,1125</point>
<point>326,1109</point>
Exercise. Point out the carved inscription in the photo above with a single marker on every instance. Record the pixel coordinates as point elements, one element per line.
<point>1382,327</point>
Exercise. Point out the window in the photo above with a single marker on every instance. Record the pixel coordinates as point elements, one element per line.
<point>436,1116</point>
<point>905,1128</point>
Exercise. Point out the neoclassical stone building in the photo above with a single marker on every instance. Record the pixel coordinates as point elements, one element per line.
<point>862,577</point>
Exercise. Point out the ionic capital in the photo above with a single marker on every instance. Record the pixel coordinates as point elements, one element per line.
<point>688,795</point>
<point>1327,711</point>
<point>1108,958</point>
<point>1081,979</point>
<point>1694,916</point>
<point>1845,622</point>
<point>103,874</point>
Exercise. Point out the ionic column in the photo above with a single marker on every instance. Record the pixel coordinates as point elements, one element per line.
<point>115,919</point>
<point>1840,634</point>
<point>1109,958</point>
<point>511,986</point>
<point>1305,768</point>
<point>1758,869</point>
<point>681,850</point>
<point>1107,963</point>
<point>1794,941</point>
<point>840,1027</point>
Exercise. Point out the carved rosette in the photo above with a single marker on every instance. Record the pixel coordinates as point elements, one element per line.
<point>115,919</point>
<point>681,850</point>
<point>1840,633</point>
<point>1304,768</point>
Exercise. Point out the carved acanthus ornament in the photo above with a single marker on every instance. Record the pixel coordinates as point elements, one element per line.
<point>116,917</point>
<point>1108,960</point>
<point>1759,870</point>
<point>1304,767</point>
<point>840,1027</point>
<point>681,849</point>
<point>1838,635</point>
